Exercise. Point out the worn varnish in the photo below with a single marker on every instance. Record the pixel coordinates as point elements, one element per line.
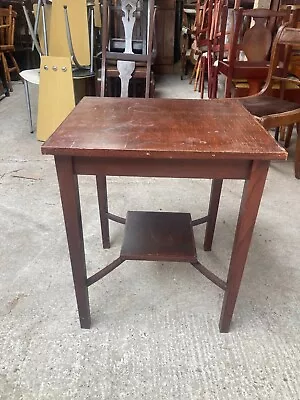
<point>155,128</point>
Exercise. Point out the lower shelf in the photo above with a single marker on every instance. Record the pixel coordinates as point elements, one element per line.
<point>159,236</point>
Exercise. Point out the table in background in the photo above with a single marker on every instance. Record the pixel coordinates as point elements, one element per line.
<point>206,139</point>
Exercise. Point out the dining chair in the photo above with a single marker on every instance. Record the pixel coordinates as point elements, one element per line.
<point>216,45</point>
<point>189,14</point>
<point>202,28</point>
<point>128,45</point>
<point>249,47</point>
<point>7,35</point>
<point>271,106</point>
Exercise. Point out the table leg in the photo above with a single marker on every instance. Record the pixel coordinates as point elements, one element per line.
<point>216,188</point>
<point>250,202</point>
<point>103,209</point>
<point>68,186</point>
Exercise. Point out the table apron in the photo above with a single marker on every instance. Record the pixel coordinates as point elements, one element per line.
<point>179,168</point>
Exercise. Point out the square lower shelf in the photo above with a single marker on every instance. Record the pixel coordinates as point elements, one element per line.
<point>159,236</point>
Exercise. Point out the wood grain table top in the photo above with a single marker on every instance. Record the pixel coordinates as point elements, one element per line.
<point>162,128</point>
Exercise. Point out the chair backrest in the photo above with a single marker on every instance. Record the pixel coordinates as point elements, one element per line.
<point>127,37</point>
<point>7,26</point>
<point>286,40</point>
<point>77,14</point>
<point>56,94</point>
<point>126,25</point>
<point>253,32</point>
<point>203,21</point>
<point>39,30</point>
<point>219,21</point>
<point>78,66</point>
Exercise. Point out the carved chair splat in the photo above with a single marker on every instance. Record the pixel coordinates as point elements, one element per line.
<point>127,42</point>
<point>250,46</point>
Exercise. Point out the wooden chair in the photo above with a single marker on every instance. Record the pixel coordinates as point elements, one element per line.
<point>202,29</point>
<point>7,32</point>
<point>274,112</point>
<point>249,47</point>
<point>127,44</point>
<point>189,14</point>
<point>216,45</point>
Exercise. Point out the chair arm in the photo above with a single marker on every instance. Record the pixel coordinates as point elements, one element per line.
<point>292,80</point>
<point>282,119</point>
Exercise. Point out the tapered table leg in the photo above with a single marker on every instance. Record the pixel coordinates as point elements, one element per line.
<point>250,202</point>
<point>216,188</point>
<point>103,209</point>
<point>68,186</point>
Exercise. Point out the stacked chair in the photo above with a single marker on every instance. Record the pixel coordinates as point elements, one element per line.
<point>255,55</point>
<point>59,55</point>
<point>248,55</point>
<point>189,13</point>
<point>203,23</point>
<point>216,45</point>
<point>7,48</point>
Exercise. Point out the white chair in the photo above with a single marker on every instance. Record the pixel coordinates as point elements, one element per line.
<point>33,75</point>
<point>30,76</point>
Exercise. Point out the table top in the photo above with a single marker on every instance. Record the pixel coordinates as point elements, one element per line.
<point>162,128</point>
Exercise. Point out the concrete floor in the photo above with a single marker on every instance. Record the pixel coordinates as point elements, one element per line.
<point>155,326</point>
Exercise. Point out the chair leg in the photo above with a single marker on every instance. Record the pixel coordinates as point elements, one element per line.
<point>15,64</point>
<point>6,72</point>
<point>202,73</point>
<point>198,70</point>
<point>183,62</point>
<point>297,154</point>
<point>288,136</point>
<point>228,86</point>
<point>282,133</point>
<point>193,72</point>
<point>214,83</point>
<point>28,104</point>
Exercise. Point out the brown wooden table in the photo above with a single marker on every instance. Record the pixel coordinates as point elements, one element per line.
<point>210,139</point>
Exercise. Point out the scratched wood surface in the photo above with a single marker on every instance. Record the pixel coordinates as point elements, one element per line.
<point>162,128</point>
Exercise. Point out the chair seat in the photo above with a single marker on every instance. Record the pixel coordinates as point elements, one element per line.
<point>82,74</point>
<point>31,75</point>
<point>261,106</point>
<point>138,73</point>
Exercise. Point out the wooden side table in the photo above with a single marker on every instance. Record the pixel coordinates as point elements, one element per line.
<point>206,139</point>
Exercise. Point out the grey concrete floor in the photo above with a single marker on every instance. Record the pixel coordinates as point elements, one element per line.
<point>154,328</point>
